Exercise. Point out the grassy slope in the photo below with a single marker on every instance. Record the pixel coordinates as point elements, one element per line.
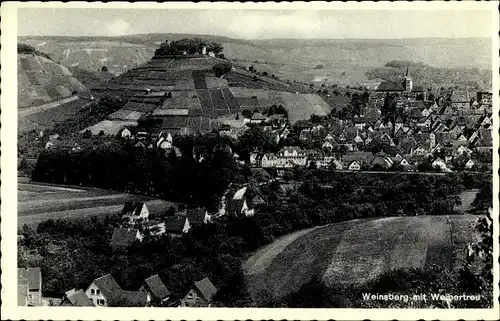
<point>356,251</point>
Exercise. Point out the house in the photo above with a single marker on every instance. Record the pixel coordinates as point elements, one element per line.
<point>176,226</point>
<point>381,160</point>
<point>257,118</point>
<point>29,286</point>
<point>77,299</point>
<point>470,164</point>
<point>125,133</point>
<point>105,291</point>
<point>200,294</point>
<point>386,139</point>
<point>398,123</point>
<point>420,150</point>
<point>197,216</point>
<point>156,289</point>
<point>238,207</point>
<point>123,237</point>
<point>404,163</point>
<point>327,145</point>
<point>49,145</point>
<point>439,163</point>
<point>134,212</point>
<point>354,166</point>
<point>268,160</point>
<point>164,143</point>
<point>336,164</point>
<point>463,149</point>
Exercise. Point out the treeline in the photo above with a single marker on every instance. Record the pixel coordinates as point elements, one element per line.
<point>199,174</point>
<point>23,48</point>
<point>189,46</point>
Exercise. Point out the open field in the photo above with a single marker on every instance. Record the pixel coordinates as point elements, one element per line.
<point>40,202</point>
<point>356,251</point>
<point>93,55</point>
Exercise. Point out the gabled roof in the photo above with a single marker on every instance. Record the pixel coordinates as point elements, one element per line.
<point>360,157</point>
<point>132,208</point>
<point>206,288</point>
<point>134,298</point>
<point>258,116</point>
<point>123,237</point>
<point>30,277</point>
<point>234,205</point>
<point>110,289</point>
<point>157,287</point>
<point>414,112</point>
<point>390,86</point>
<point>175,224</point>
<point>196,215</point>
<point>79,298</point>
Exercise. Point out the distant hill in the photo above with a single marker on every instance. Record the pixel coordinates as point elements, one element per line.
<point>93,54</point>
<point>357,251</point>
<point>346,61</point>
<point>41,81</point>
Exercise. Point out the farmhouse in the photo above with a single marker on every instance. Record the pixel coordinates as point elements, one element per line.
<point>200,294</point>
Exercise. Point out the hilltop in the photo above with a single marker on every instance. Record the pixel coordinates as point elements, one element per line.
<point>357,251</point>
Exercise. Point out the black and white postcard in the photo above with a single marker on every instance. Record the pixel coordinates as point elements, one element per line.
<point>222,161</point>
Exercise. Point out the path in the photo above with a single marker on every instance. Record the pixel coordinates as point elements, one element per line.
<point>40,108</point>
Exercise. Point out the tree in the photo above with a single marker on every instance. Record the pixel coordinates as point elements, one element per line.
<point>104,68</point>
<point>221,69</point>
<point>481,250</point>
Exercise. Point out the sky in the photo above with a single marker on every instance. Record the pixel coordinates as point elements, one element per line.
<point>256,24</point>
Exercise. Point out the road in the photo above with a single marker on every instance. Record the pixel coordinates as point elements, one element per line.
<point>40,108</point>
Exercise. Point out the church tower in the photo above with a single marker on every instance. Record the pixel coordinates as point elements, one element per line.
<point>408,82</point>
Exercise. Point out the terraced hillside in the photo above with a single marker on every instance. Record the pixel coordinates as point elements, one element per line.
<point>89,55</point>
<point>356,251</point>
<point>41,80</point>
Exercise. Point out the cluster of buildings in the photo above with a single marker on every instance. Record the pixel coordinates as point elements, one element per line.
<point>137,223</point>
<point>105,291</point>
<point>444,134</point>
